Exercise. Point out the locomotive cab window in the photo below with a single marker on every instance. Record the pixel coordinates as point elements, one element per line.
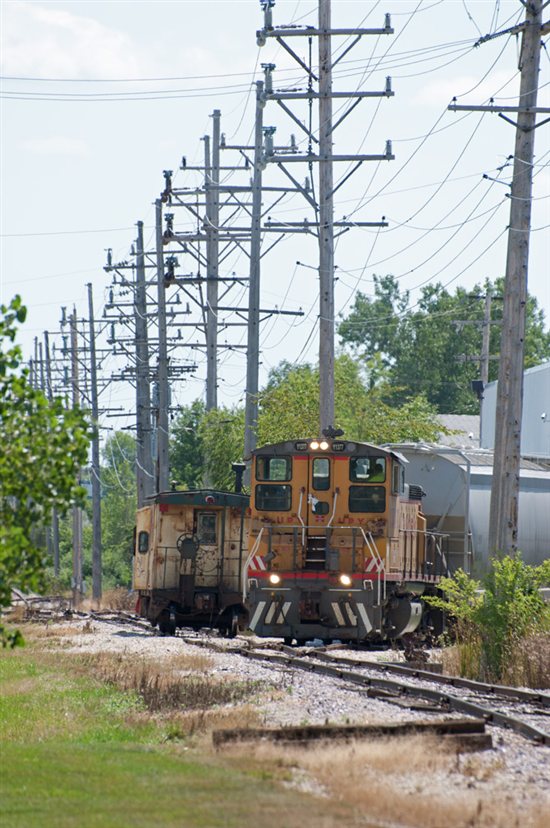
<point>367,469</point>
<point>367,499</point>
<point>321,474</point>
<point>206,527</point>
<point>269,467</point>
<point>398,479</point>
<point>143,542</point>
<point>273,498</point>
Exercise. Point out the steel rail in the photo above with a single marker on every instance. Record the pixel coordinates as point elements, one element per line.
<point>452,702</point>
<point>535,697</point>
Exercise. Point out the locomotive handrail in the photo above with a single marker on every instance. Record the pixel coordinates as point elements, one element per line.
<point>336,493</point>
<point>247,562</point>
<point>380,568</point>
<point>300,515</point>
<point>437,539</point>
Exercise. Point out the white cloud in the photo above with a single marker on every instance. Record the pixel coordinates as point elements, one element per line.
<point>56,145</point>
<point>44,42</point>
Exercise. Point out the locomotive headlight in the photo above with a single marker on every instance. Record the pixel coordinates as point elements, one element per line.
<point>323,445</point>
<point>314,445</point>
<point>274,578</point>
<point>345,580</point>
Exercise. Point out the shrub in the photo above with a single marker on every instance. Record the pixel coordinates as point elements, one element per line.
<point>493,619</point>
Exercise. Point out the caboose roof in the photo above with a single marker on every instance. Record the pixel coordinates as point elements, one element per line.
<point>198,497</point>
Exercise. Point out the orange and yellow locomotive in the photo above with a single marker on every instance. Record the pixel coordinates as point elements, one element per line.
<point>338,546</point>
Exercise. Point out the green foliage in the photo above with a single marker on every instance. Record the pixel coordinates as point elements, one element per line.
<point>43,446</point>
<point>221,434</point>
<point>186,449</point>
<point>418,348</point>
<point>289,407</point>
<point>209,442</point>
<point>118,507</point>
<point>118,516</point>
<point>498,619</point>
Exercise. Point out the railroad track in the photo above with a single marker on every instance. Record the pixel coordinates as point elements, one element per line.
<point>477,699</point>
<point>507,707</point>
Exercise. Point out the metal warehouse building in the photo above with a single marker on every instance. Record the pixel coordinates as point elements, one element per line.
<point>457,482</point>
<point>535,424</point>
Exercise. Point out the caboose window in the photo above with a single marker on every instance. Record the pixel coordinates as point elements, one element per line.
<point>143,542</point>
<point>206,527</point>
<point>321,474</point>
<point>273,498</point>
<point>367,499</point>
<point>269,467</point>
<point>367,469</point>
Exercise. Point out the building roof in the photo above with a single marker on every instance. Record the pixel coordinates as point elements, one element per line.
<point>466,427</point>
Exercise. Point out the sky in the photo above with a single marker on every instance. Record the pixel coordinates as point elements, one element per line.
<point>98,98</point>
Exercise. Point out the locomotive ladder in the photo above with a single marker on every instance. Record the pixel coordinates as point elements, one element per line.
<point>316,552</point>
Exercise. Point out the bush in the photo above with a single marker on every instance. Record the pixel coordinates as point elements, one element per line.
<point>493,620</point>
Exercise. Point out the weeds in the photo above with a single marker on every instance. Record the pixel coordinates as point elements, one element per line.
<point>502,632</point>
<point>163,688</point>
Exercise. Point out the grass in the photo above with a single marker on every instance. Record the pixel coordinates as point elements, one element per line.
<point>79,752</point>
<point>113,740</point>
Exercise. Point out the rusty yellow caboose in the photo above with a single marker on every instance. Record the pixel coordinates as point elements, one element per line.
<point>189,554</point>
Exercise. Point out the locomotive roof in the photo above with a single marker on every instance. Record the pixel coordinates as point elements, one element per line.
<point>352,447</point>
<point>198,497</point>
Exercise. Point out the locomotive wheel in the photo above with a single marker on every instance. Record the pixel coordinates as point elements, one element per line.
<point>229,624</point>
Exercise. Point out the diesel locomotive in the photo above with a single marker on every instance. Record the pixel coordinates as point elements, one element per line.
<point>338,545</point>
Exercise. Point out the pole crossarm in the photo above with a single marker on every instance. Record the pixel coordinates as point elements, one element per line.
<point>310,31</point>
<point>304,224</point>
<point>531,110</point>
<point>312,95</point>
<point>279,159</point>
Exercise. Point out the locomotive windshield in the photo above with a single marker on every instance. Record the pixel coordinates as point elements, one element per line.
<point>367,469</point>
<point>367,499</point>
<point>269,467</point>
<point>321,474</point>
<point>273,498</point>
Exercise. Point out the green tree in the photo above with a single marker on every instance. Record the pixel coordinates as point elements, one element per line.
<point>289,407</point>
<point>420,346</point>
<point>43,446</point>
<point>118,508</point>
<point>186,449</point>
<point>221,433</point>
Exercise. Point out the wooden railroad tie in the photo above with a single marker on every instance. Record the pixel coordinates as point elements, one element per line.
<point>461,734</point>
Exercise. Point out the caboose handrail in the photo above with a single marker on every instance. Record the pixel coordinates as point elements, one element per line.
<point>247,562</point>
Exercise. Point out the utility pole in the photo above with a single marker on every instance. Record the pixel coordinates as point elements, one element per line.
<point>55,516</point>
<point>211,186</point>
<point>503,519</point>
<point>253,341</point>
<point>162,374</point>
<point>144,465</point>
<point>503,522</point>
<point>95,468</point>
<point>77,513</point>
<point>326,223</point>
